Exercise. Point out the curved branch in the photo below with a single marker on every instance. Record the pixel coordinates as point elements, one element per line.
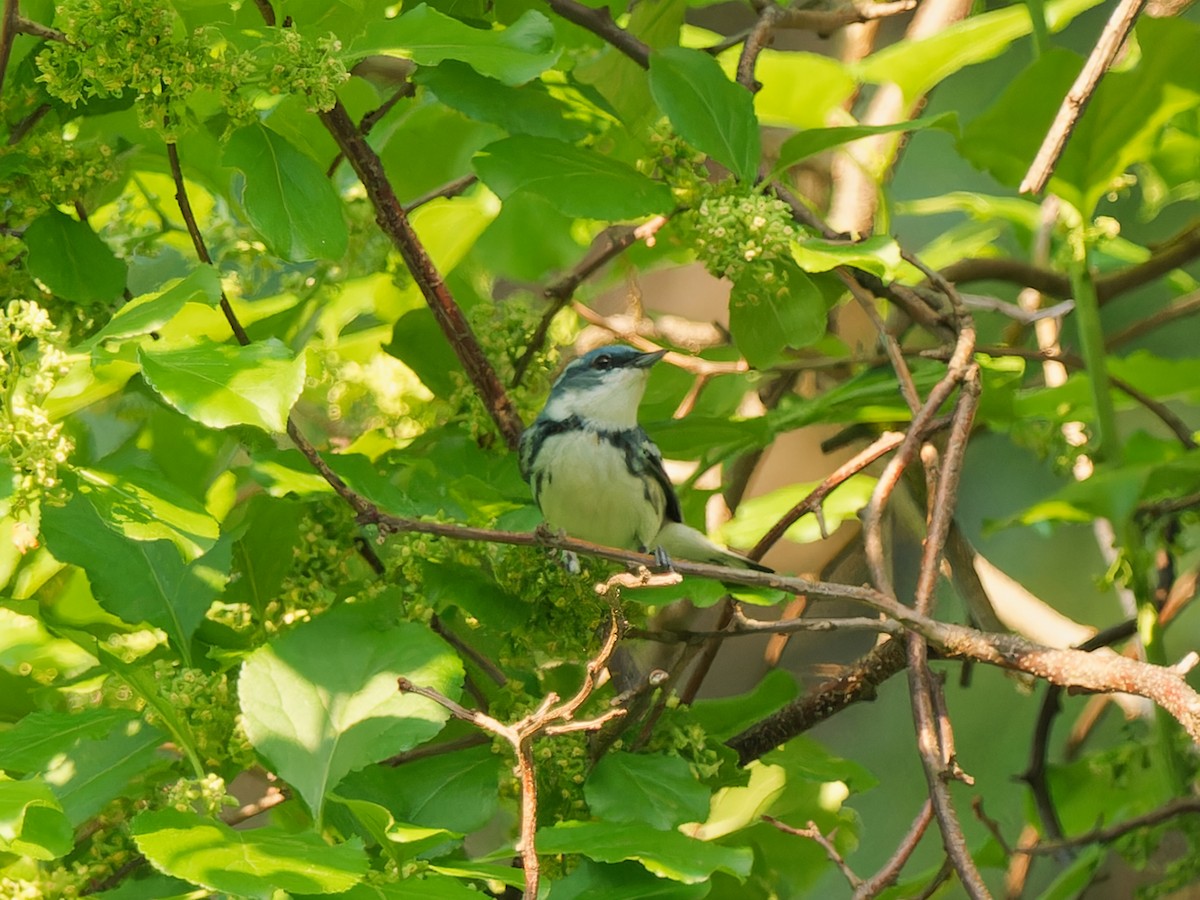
<point>600,23</point>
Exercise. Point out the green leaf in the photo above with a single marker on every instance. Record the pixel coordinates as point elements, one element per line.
<point>575,181</point>
<point>828,85</point>
<point>512,55</point>
<point>455,791</point>
<point>145,506</point>
<point>659,791</point>
<point>70,259</point>
<point>150,886</point>
<point>771,311</point>
<point>756,516</point>
<point>812,141</point>
<point>38,737</point>
<point>878,254</point>
<point>917,65</point>
<point>431,886</point>
<point>253,863</point>
<point>286,196</point>
<point>710,112</point>
<point>667,854</point>
<point>220,385</point>
<point>137,581</point>
<point>98,770</point>
<point>149,312</point>
<point>730,716</point>
<point>321,700</point>
<point>32,822</point>
<point>529,109</point>
<point>622,881</point>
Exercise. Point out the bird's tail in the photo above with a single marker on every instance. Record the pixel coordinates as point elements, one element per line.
<point>684,542</point>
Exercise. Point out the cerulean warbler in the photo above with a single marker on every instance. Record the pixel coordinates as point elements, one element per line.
<point>597,476</point>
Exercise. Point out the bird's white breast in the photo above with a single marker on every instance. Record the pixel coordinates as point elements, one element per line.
<point>588,492</point>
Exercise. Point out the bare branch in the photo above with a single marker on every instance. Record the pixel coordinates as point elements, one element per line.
<point>1102,56</point>
<point>600,23</point>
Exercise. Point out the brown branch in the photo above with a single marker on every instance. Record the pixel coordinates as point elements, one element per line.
<point>813,833</point>
<point>856,684</point>
<point>890,871</point>
<point>740,626</point>
<point>550,718</point>
<point>371,119</point>
<point>395,224</point>
<point>1179,250</point>
<point>1179,309</point>
<point>22,25</point>
<point>450,189</point>
<point>1177,807</point>
<point>600,23</point>
<point>8,31</point>
<point>1102,56</point>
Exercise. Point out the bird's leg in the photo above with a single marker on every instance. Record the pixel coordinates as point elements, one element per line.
<point>570,562</point>
<point>662,559</point>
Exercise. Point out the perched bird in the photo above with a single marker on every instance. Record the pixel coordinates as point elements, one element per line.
<point>597,476</point>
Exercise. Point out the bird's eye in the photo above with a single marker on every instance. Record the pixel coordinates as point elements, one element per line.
<point>602,362</point>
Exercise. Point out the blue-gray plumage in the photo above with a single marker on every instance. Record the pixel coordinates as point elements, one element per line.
<point>596,475</point>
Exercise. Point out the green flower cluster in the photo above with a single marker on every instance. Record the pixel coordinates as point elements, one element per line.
<point>735,231</point>
<point>142,48</point>
<point>48,170</point>
<point>208,701</point>
<point>206,796</point>
<point>33,359</point>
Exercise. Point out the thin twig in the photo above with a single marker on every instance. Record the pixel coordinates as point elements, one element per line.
<point>373,118</point>
<point>813,833</point>
<point>1177,807</point>
<point>8,31</point>
<point>1102,56</point>
<point>599,22</point>
<point>890,871</point>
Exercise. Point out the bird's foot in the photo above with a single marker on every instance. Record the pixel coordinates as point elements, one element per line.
<point>662,559</point>
<point>570,562</point>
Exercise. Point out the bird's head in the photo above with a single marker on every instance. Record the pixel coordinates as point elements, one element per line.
<point>603,387</point>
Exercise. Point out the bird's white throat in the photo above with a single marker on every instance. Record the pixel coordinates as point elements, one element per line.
<point>610,404</point>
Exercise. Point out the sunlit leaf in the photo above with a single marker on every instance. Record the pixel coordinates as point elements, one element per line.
<point>659,791</point>
<point>254,863</point>
<point>32,823</point>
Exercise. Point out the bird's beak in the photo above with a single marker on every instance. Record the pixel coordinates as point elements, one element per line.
<point>646,360</point>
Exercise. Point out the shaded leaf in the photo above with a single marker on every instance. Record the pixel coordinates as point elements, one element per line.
<point>756,516</point>
<point>812,141</point>
<point>773,311</point>
<point>528,109</point>
<point>220,385</point>
<point>321,700</point>
<point>574,181</point>
<point>710,112</point>
<point>286,195</point>
<point>70,259</point>
<point>622,881</point>
<point>659,791</point>
<point>34,740</point>
<point>253,863</point>
<point>512,55</point>
<point>137,581</point>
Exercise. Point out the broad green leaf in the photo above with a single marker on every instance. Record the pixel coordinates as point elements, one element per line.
<point>321,700</point>
<point>878,254</point>
<point>729,716</point>
<point>286,196</point>
<point>812,141</point>
<point>399,840</point>
<point>254,863</point>
<point>137,581</point>
<point>577,182</point>
<point>34,740</point>
<point>220,385</point>
<point>284,472</point>
<point>917,65</point>
<point>512,55</point>
<point>470,589</point>
<point>430,886</point>
<point>528,109</point>
<point>456,791</point>
<point>149,312</point>
<point>756,516</point>
<point>262,550</point>
<point>71,260</point>
<point>659,791</point>
<point>144,506</point>
<point>828,84</point>
<point>150,885</point>
<point>710,112</point>
<point>777,309</point>
<point>622,881</point>
<point>97,770</point>
<point>32,822</point>
<point>667,854</point>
